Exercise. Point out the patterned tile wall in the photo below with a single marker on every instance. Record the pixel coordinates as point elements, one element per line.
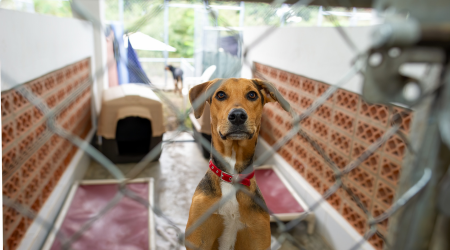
<point>33,159</point>
<point>344,126</point>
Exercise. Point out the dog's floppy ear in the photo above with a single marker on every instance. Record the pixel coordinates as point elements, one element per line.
<point>198,92</point>
<point>271,94</point>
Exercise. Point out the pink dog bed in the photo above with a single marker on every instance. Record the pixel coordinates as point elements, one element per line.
<point>278,198</point>
<point>125,226</point>
<point>281,198</point>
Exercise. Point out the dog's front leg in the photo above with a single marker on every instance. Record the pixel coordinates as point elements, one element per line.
<point>256,235</point>
<point>203,236</point>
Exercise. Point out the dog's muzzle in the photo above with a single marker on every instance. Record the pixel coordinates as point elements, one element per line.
<point>237,117</point>
<point>237,129</point>
<point>236,135</point>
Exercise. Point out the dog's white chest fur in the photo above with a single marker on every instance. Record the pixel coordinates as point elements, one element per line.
<point>230,213</point>
<point>231,218</point>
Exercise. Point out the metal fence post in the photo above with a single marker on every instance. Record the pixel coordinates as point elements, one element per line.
<point>166,38</point>
<point>412,227</point>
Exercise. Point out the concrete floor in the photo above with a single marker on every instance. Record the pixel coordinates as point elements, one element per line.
<point>176,176</point>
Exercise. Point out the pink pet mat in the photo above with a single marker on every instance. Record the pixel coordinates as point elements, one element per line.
<point>278,198</point>
<point>123,227</point>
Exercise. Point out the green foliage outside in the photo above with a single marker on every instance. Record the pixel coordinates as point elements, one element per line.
<point>147,16</point>
<point>52,7</point>
<point>181,32</point>
<point>47,7</point>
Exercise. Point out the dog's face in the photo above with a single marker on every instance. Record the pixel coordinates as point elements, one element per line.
<point>236,109</point>
<point>236,105</point>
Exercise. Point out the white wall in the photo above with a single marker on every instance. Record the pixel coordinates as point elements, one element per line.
<point>95,9</point>
<point>318,53</point>
<point>37,233</point>
<point>321,54</point>
<point>32,45</point>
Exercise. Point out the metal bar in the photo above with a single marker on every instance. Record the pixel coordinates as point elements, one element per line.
<point>152,59</point>
<point>166,36</point>
<point>121,11</point>
<point>196,6</point>
<point>412,228</point>
<point>320,16</point>
<point>334,3</point>
<point>241,14</point>
<point>180,5</point>
<point>218,28</point>
<point>223,7</point>
<point>354,17</point>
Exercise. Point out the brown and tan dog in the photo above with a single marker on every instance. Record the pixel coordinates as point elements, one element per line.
<point>240,223</point>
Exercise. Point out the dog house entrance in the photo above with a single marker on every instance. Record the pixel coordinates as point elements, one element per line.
<point>133,136</point>
<point>131,123</point>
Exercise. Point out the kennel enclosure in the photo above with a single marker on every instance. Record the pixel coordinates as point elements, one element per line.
<point>202,128</point>
<point>130,123</point>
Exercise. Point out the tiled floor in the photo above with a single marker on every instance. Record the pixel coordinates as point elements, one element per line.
<point>176,175</point>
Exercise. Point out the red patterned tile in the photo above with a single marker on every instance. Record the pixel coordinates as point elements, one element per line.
<point>42,170</point>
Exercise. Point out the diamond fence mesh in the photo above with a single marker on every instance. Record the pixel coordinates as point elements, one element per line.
<point>60,128</point>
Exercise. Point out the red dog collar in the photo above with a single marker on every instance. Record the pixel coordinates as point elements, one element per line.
<point>244,179</point>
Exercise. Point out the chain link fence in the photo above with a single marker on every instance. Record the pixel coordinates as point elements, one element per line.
<point>284,229</point>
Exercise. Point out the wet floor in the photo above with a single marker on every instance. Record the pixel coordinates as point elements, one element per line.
<point>176,174</point>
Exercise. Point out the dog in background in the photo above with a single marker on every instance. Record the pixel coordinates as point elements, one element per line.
<point>240,223</point>
<point>177,74</point>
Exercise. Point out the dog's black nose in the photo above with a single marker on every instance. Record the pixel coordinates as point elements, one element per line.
<point>237,116</point>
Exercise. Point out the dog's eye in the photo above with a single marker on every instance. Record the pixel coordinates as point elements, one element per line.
<point>221,95</point>
<point>252,95</point>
